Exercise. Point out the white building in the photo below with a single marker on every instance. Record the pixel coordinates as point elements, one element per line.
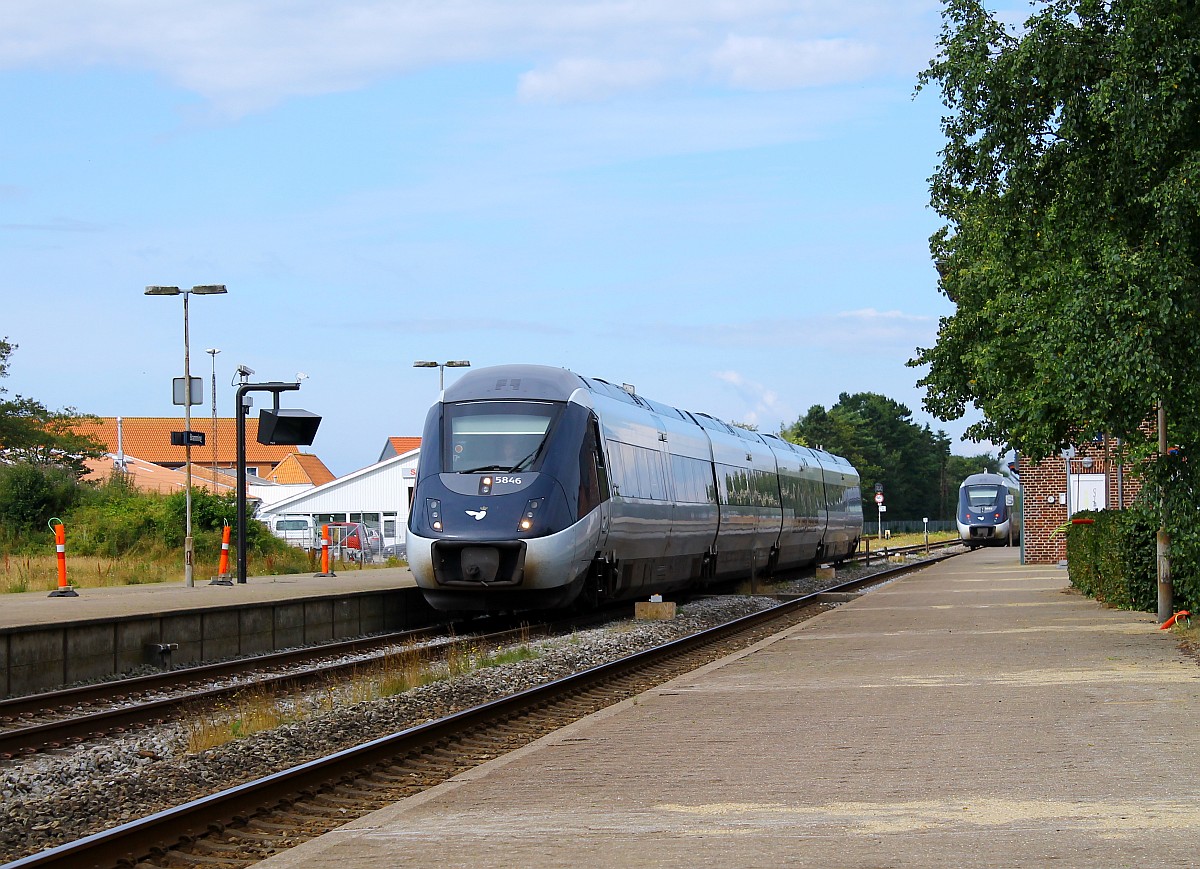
<point>378,495</point>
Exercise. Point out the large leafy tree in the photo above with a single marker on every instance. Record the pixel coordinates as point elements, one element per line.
<point>32,434</point>
<point>1070,187</point>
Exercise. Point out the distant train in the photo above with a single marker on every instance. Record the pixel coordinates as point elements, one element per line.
<point>538,488</point>
<point>984,515</point>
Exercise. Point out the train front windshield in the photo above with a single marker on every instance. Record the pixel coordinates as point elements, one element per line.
<point>505,436</point>
<point>987,498</point>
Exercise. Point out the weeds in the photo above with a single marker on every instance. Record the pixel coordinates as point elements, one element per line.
<point>259,709</point>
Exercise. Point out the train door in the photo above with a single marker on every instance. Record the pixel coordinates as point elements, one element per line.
<point>593,481</point>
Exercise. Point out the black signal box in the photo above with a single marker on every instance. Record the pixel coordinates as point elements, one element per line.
<point>289,426</point>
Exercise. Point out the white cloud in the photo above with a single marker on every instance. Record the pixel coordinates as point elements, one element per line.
<point>243,55</point>
<point>588,79</point>
<point>861,329</point>
<point>767,63</point>
<point>761,403</point>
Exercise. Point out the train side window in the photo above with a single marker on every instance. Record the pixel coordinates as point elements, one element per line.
<point>634,485</point>
<point>617,472</point>
<point>589,473</point>
<point>654,465</point>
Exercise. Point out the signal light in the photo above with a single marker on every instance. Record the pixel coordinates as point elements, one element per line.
<point>434,507</point>
<point>527,516</point>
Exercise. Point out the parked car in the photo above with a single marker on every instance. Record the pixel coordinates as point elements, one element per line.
<point>296,530</point>
<point>396,550</point>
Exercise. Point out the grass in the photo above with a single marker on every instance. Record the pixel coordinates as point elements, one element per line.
<point>258,709</point>
<point>898,540</point>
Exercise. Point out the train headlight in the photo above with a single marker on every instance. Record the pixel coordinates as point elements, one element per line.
<point>434,507</point>
<point>485,485</point>
<point>529,514</point>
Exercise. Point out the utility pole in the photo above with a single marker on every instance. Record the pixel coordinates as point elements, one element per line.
<point>1162,547</point>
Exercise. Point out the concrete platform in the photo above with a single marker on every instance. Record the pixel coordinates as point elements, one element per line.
<point>47,642</point>
<point>35,608</point>
<point>974,714</point>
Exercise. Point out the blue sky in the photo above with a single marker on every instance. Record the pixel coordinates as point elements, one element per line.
<point>722,203</point>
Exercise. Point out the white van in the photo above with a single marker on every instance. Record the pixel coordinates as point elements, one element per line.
<point>296,530</point>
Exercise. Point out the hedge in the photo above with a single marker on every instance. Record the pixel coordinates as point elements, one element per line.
<point>1111,557</point>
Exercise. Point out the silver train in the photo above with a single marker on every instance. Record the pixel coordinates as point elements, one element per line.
<point>538,488</point>
<point>984,515</point>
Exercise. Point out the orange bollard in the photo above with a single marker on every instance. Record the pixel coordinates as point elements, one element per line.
<point>1182,614</point>
<point>60,544</point>
<point>325,571</point>
<point>222,577</point>
<point>223,569</point>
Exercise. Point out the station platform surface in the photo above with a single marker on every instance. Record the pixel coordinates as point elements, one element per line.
<point>36,608</point>
<point>977,713</point>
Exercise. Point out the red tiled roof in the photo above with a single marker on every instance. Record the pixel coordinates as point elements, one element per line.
<point>149,477</point>
<point>404,445</point>
<point>149,438</point>
<point>301,468</point>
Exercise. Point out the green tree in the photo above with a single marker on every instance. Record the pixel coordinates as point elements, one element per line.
<point>32,434</point>
<point>877,435</point>
<point>1070,187</point>
<point>31,495</point>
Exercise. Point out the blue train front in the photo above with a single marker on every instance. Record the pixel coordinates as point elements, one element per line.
<point>985,518</point>
<point>503,512</point>
<point>538,488</point>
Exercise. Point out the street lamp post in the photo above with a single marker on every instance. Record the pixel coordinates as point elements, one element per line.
<point>441,367</point>
<point>201,290</point>
<point>213,351</point>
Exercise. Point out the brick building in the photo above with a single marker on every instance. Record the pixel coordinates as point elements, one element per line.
<point>1092,479</point>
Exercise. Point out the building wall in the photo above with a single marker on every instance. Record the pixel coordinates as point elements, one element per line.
<point>382,488</point>
<point>1045,495</point>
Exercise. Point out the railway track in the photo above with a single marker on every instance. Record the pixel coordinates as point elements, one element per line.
<point>241,825</point>
<point>58,719</point>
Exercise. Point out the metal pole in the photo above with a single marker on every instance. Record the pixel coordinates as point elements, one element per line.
<point>187,450</point>
<point>275,388</point>
<point>241,483</point>
<point>213,351</point>
<point>1162,544</point>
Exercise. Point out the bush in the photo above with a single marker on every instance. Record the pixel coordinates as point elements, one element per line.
<point>1111,556</point>
<point>30,495</point>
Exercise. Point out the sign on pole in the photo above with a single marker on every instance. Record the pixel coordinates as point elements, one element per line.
<point>879,498</point>
<point>177,390</point>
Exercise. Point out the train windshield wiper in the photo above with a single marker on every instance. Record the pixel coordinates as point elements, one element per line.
<point>528,460</point>
<point>485,468</point>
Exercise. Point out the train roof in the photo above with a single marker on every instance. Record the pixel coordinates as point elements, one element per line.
<point>985,479</point>
<point>549,383</point>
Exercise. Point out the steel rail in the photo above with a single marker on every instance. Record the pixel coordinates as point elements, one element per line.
<point>14,707</point>
<point>79,727</point>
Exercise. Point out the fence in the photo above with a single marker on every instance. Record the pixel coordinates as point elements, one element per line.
<point>907,526</point>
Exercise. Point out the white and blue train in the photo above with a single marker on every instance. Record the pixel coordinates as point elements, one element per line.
<point>985,518</point>
<point>538,488</point>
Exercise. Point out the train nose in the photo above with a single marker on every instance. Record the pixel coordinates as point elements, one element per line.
<point>495,563</point>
